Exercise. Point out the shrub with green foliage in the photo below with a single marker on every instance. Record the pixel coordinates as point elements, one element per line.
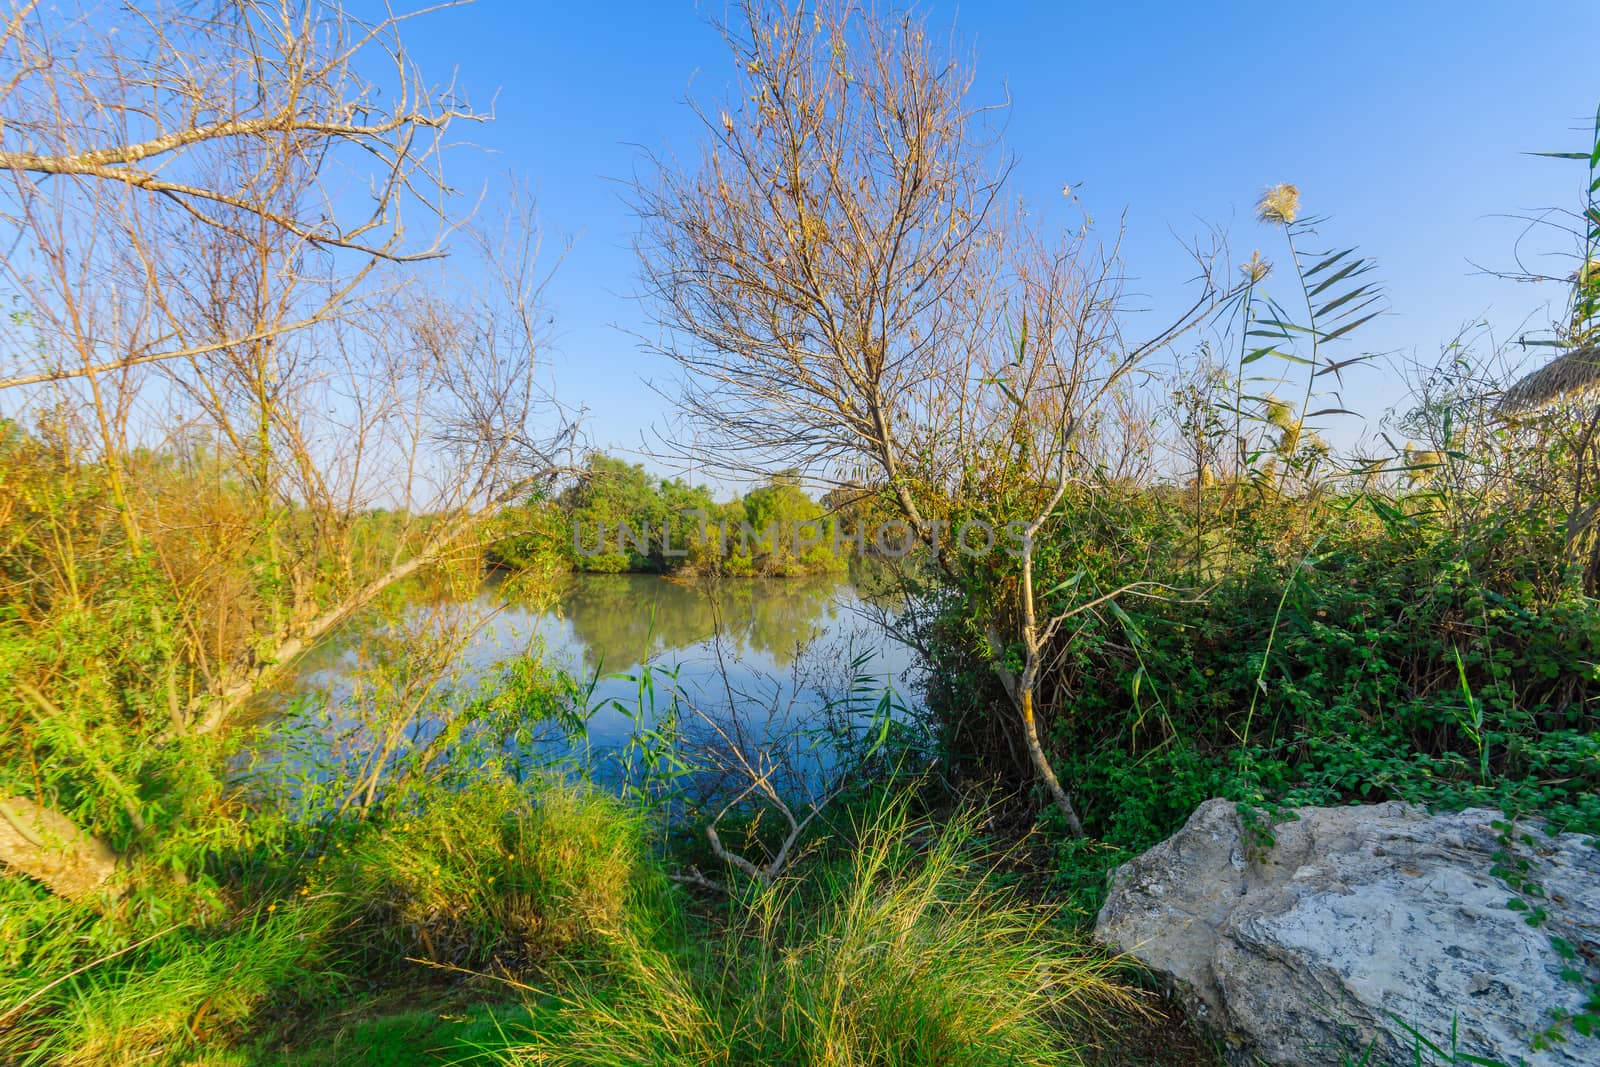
<point>1385,661</point>
<point>494,874</point>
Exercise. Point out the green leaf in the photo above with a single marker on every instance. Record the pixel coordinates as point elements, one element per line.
<point>1370,291</point>
<point>1326,262</point>
<point>1070,583</point>
<point>1338,365</point>
<point>1284,325</point>
<point>1347,327</point>
<point>1350,268</point>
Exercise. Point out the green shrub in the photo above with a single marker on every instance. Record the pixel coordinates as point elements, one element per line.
<point>1389,663</point>
<point>494,875</point>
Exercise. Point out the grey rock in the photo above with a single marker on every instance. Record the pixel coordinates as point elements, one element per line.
<point>1313,946</point>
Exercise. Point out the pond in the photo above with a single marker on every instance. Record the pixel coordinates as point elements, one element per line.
<point>774,654</point>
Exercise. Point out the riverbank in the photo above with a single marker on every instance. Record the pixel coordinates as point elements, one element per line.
<point>537,923</point>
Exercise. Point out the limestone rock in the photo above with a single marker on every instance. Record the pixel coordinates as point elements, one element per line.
<point>1312,947</point>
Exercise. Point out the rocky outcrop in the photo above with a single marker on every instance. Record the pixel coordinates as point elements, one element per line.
<point>1355,923</point>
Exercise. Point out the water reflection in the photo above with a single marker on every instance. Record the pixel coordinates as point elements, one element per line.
<point>618,620</point>
<point>757,643</point>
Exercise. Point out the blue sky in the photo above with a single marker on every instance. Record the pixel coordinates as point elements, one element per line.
<point>1406,122</point>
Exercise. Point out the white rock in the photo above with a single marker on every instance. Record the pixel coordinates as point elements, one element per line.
<point>1353,918</point>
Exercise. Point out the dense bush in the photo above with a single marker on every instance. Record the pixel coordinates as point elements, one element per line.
<point>493,875</point>
<point>1383,660</point>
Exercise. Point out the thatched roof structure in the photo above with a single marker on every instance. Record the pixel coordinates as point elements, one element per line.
<point>1573,373</point>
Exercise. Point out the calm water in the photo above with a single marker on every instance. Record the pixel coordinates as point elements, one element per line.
<point>774,652</point>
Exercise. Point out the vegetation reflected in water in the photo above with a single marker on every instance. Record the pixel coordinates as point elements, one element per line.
<point>789,641</point>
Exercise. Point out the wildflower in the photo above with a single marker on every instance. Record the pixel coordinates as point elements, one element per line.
<point>1280,203</point>
<point>272,907</point>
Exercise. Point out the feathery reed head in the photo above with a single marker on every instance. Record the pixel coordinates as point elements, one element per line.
<point>1280,203</point>
<point>1279,413</point>
<point>1255,269</point>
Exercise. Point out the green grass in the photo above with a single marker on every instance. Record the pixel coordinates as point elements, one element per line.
<point>904,955</point>
<point>417,1028</point>
<point>190,988</point>
<point>526,926</point>
<point>500,877</point>
<point>494,876</point>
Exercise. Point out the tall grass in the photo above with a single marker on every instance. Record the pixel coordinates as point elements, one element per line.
<point>905,954</point>
<point>496,873</point>
<point>189,988</point>
<point>499,876</point>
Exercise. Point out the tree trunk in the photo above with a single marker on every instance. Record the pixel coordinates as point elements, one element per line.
<point>48,846</point>
<point>1021,693</point>
<point>1041,763</point>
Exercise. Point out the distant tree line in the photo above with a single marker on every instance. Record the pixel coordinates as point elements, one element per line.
<point>616,517</point>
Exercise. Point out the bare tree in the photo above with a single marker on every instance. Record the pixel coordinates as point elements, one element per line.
<point>216,115</point>
<point>846,294</point>
<point>830,243</point>
<point>222,309</point>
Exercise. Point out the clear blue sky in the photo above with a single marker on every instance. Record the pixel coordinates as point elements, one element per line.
<point>1406,121</point>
